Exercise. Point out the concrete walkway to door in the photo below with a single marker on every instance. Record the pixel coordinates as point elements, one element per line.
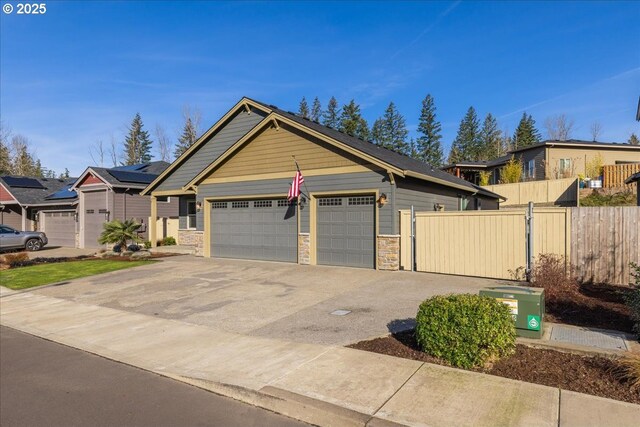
<point>269,299</point>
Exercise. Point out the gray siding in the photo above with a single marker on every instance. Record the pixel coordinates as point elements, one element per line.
<point>342,182</point>
<point>11,215</point>
<point>228,135</point>
<point>424,195</point>
<point>132,205</point>
<point>537,155</point>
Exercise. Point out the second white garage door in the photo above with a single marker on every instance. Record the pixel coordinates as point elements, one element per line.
<point>254,229</point>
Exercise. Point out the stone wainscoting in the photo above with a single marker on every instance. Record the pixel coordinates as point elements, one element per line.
<point>304,249</point>
<point>192,238</point>
<point>388,252</point>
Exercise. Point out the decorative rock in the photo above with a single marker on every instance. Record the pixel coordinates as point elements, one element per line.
<point>141,254</point>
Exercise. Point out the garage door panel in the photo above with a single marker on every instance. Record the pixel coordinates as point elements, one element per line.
<point>60,228</point>
<point>260,229</point>
<point>345,227</point>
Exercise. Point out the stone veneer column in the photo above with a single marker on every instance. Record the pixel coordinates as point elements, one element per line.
<point>192,238</point>
<point>388,252</point>
<point>304,249</point>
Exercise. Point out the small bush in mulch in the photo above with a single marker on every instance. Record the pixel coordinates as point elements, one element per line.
<point>14,259</point>
<point>596,375</point>
<point>42,260</point>
<point>568,301</point>
<point>465,330</point>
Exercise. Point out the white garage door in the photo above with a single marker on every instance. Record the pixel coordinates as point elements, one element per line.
<point>60,228</point>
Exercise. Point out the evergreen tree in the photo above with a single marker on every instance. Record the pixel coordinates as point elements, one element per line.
<point>466,146</point>
<point>526,133</point>
<point>490,139</point>
<point>65,174</point>
<point>188,137</point>
<point>316,110</point>
<point>137,145</point>
<point>39,171</point>
<point>303,110</point>
<point>352,123</point>
<point>633,139</point>
<point>428,146</point>
<point>23,162</point>
<point>390,131</point>
<point>331,117</point>
<point>5,159</point>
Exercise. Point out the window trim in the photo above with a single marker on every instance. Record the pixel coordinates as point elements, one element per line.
<point>192,217</point>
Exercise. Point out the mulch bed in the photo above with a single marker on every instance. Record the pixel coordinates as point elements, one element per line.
<point>52,260</point>
<point>599,376</point>
<point>592,305</point>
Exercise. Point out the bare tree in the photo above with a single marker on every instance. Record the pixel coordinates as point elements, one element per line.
<point>559,127</point>
<point>195,115</point>
<point>97,153</point>
<point>164,144</point>
<point>596,130</point>
<point>113,151</point>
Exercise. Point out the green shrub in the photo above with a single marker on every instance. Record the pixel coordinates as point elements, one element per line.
<point>147,244</point>
<point>168,241</point>
<point>604,197</point>
<point>633,298</point>
<point>465,330</point>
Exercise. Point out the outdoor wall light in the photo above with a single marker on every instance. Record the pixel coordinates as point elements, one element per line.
<point>382,200</point>
<point>198,206</point>
<point>75,217</point>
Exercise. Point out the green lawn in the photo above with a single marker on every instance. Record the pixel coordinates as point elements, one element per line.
<point>43,274</point>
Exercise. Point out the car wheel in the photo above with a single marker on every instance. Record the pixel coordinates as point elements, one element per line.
<point>33,245</point>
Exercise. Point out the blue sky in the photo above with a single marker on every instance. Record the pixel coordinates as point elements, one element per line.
<point>79,73</point>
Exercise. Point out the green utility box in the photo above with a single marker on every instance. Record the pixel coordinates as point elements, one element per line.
<point>526,304</point>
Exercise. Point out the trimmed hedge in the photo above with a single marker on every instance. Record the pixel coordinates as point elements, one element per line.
<point>465,330</point>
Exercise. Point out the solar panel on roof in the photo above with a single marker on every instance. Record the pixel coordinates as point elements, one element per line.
<point>133,177</point>
<point>130,168</point>
<point>22,182</point>
<point>65,193</point>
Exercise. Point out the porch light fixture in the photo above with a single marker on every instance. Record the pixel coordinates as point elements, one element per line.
<point>198,206</point>
<point>382,200</point>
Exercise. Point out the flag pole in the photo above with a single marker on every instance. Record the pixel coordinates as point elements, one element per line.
<point>303,182</point>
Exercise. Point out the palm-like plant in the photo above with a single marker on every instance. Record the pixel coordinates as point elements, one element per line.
<point>119,232</point>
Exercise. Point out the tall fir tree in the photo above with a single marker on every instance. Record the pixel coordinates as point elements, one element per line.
<point>5,159</point>
<point>303,109</point>
<point>352,123</point>
<point>490,139</point>
<point>65,174</point>
<point>316,110</point>
<point>331,117</point>
<point>466,146</point>
<point>526,133</point>
<point>390,131</point>
<point>429,146</point>
<point>633,139</point>
<point>137,145</point>
<point>188,137</point>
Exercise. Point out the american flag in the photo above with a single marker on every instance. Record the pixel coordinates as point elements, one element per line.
<point>294,190</point>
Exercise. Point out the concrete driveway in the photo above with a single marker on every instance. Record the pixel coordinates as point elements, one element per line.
<point>276,300</point>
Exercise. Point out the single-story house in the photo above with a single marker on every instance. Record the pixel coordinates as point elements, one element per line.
<point>551,160</point>
<point>43,204</point>
<point>105,194</point>
<point>233,184</point>
<point>635,178</point>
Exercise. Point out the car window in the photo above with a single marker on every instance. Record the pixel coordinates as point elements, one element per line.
<point>6,230</point>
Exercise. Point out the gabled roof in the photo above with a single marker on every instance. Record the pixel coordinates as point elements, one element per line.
<point>31,195</point>
<point>130,176</point>
<point>481,164</point>
<point>389,160</point>
<point>579,143</point>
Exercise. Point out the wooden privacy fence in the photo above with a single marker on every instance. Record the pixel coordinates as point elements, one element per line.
<point>166,227</point>
<point>614,175</point>
<point>600,242</point>
<point>558,191</point>
<point>603,242</point>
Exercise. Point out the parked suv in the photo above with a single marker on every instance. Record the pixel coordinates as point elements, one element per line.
<point>11,238</point>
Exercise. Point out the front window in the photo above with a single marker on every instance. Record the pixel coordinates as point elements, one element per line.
<point>463,202</point>
<point>191,214</point>
<point>565,167</point>
<point>530,169</point>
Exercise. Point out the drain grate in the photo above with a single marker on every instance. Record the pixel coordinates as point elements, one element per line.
<point>340,312</point>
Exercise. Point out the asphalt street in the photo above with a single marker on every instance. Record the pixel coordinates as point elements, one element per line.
<point>43,383</point>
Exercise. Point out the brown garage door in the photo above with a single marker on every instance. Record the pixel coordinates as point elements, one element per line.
<point>60,228</point>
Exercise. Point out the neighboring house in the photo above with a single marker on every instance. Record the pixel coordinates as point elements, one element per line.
<point>106,194</point>
<point>43,204</point>
<point>635,178</point>
<point>551,160</point>
<point>233,185</point>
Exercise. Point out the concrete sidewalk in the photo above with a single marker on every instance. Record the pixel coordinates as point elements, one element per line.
<point>324,385</point>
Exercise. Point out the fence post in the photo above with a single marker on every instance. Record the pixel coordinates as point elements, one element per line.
<point>413,239</point>
<point>529,239</point>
